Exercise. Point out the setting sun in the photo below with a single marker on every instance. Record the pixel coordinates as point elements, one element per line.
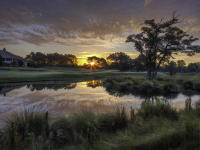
<point>92,63</point>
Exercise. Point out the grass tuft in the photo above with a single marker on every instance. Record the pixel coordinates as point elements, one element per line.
<point>157,109</point>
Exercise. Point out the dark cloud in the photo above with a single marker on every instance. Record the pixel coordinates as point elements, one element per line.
<point>44,21</point>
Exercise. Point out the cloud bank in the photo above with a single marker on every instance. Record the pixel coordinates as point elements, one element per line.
<point>86,23</point>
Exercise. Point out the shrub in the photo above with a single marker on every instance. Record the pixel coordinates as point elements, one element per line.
<point>188,85</point>
<point>170,88</point>
<point>197,86</point>
<point>147,86</point>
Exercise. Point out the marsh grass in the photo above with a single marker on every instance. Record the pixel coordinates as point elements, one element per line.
<point>24,126</point>
<point>153,127</point>
<point>114,121</point>
<point>158,108</point>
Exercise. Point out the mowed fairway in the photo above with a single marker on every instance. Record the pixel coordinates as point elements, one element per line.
<point>15,75</point>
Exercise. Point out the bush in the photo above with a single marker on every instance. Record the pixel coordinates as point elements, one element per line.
<point>188,85</point>
<point>147,86</point>
<point>170,88</point>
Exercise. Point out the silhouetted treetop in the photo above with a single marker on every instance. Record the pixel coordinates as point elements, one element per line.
<point>158,41</point>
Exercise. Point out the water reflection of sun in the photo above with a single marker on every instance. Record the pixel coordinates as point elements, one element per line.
<point>82,84</point>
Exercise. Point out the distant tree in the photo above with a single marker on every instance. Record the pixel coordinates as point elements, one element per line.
<point>54,59</point>
<point>20,63</point>
<point>157,42</point>
<point>36,59</point>
<point>119,60</point>
<point>71,60</point>
<point>172,68</point>
<point>181,65</point>
<point>1,61</point>
<point>98,62</point>
<point>194,67</point>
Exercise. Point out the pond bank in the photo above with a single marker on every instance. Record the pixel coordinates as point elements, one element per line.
<point>161,86</point>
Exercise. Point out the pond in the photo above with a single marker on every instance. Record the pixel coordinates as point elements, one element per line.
<point>63,98</point>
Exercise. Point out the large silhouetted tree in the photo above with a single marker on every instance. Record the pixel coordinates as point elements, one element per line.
<point>139,63</point>
<point>158,42</point>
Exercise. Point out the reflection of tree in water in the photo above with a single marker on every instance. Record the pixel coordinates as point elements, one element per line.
<point>119,92</point>
<point>154,99</point>
<point>94,83</point>
<point>39,87</point>
<point>7,88</point>
<point>188,104</point>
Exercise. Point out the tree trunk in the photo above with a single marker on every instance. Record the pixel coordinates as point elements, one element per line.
<point>151,74</point>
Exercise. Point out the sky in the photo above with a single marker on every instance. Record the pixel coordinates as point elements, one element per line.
<point>87,27</point>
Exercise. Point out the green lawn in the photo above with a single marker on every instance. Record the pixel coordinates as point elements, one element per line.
<point>14,75</point>
<point>17,74</point>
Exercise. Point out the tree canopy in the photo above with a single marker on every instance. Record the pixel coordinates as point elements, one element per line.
<point>54,59</point>
<point>159,41</point>
<point>97,62</point>
<point>119,60</point>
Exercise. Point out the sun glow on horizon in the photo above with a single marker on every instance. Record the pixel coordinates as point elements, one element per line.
<point>82,59</point>
<point>92,63</point>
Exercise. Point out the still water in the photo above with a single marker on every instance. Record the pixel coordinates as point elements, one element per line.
<point>67,98</point>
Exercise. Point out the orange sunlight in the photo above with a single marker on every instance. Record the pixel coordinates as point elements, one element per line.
<point>92,63</point>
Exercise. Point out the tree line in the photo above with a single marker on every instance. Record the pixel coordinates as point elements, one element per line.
<point>118,60</point>
<point>53,59</point>
<point>123,62</point>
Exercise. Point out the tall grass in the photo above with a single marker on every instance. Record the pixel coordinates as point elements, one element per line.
<point>157,109</point>
<point>115,121</point>
<point>24,126</point>
<point>153,127</point>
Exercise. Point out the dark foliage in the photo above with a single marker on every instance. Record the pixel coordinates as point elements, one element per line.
<point>157,42</point>
<point>39,59</point>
